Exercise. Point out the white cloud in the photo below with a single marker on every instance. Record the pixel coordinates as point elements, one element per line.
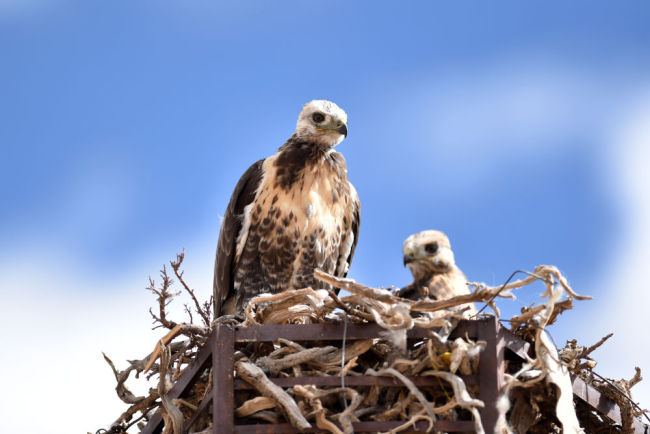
<point>625,296</point>
<point>514,106</point>
<point>56,323</point>
<point>531,105</point>
<point>470,120</point>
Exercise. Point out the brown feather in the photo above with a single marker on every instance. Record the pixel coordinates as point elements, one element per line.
<point>231,226</point>
<point>303,214</point>
<point>289,214</point>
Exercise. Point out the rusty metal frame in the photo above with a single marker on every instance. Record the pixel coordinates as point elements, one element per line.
<point>490,370</point>
<point>182,385</point>
<point>490,377</point>
<point>224,385</point>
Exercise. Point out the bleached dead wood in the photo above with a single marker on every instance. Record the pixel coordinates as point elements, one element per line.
<point>387,356</point>
<point>256,377</point>
<point>174,421</point>
<point>274,366</point>
<point>254,405</point>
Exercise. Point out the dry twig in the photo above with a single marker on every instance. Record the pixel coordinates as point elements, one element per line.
<point>335,409</point>
<point>256,377</point>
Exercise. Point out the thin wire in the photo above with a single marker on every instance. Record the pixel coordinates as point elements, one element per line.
<point>514,273</point>
<point>623,394</point>
<point>345,335</point>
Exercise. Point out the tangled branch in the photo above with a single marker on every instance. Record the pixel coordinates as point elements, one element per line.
<point>335,409</point>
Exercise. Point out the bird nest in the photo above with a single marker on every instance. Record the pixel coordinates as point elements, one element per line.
<point>537,395</point>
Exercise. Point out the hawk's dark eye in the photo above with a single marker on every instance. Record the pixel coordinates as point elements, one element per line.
<point>431,248</point>
<point>318,117</point>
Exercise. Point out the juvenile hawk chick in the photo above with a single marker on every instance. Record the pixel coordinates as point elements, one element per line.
<point>429,257</point>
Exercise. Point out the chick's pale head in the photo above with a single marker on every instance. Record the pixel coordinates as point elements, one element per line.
<point>428,252</point>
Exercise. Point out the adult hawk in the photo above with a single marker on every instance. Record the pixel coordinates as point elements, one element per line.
<point>429,257</point>
<point>290,213</point>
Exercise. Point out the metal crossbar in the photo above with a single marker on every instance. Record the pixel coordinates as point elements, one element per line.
<point>220,349</point>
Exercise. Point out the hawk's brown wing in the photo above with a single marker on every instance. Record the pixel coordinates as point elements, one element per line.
<point>243,195</point>
<point>354,227</point>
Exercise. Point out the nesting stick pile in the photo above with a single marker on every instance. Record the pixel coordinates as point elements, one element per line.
<point>541,383</point>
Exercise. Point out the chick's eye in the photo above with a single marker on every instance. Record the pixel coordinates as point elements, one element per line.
<point>318,117</point>
<point>431,248</point>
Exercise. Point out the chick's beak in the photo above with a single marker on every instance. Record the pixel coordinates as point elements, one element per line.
<point>408,259</point>
<point>343,129</point>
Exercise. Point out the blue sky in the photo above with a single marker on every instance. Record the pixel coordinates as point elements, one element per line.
<point>519,129</point>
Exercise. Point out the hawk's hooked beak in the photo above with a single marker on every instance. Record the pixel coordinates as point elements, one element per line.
<point>339,127</point>
<point>409,255</point>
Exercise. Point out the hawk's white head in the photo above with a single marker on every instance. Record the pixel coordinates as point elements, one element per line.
<point>322,122</point>
<point>428,252</point>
